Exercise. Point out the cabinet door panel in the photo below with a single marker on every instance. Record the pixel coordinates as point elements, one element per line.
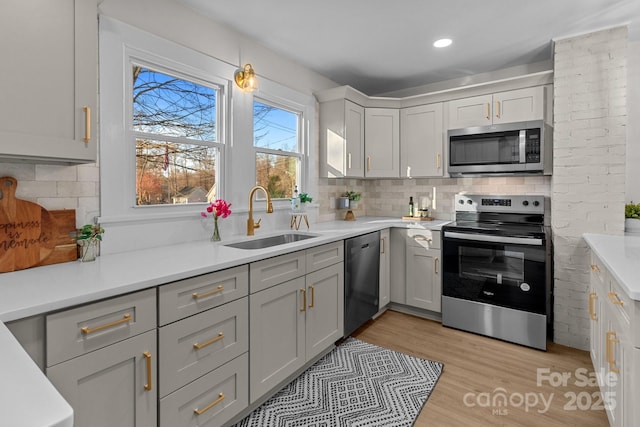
<point>518,105</point>
<point>474,111</point>
<point>270,272</point>
<point>51,75</point>
<point>382,142</point>
<point>423,278</point>
<point>277,340</point>
<point>324,256</point>
<point>354,135</point>
<point>421,140</point>
<point>325,308</point>
<point>106,388</point>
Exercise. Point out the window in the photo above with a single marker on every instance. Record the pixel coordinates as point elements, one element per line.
<point>175,124</point>
<point>277,142</point>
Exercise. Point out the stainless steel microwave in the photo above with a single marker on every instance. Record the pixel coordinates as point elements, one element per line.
<point>505,149</point>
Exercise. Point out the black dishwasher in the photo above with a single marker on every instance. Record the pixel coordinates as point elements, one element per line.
<point>361,280</point>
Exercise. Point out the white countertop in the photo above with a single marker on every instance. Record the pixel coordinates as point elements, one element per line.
<point>621,256</point>
<point>40,290</point>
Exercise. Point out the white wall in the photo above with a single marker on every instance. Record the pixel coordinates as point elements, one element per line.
<point>633,125</point>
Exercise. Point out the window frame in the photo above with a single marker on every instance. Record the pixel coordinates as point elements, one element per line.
<point>122,46</point>
<point>219,144</point>
<point>293,108</point>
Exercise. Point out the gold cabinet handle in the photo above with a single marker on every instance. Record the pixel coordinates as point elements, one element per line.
<point>368,163</point>
<point>595,268</point>
<point>615,299</point>
<point>592,308</point>
<point>382,245</point>
<point>313,296</point>
<point>611,360</point>
<point>87,124</point>
<point>422,238</point>
<point>207,294</point>
<point>438,163</point>
<point>87,330</point>
<point>211,341</point>
<point>147,357</point>
<point>435,264</point>
<point>497,108</point>
<point>487,111</point>
<point>304,300</point>
<point>210,405</point>
<point>349,161</point>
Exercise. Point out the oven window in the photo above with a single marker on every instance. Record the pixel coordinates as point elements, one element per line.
<point>504,266</point>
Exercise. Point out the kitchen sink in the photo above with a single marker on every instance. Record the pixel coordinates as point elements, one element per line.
<point>267,242</point>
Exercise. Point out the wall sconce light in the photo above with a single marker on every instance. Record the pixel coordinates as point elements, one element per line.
<point>246,78</point>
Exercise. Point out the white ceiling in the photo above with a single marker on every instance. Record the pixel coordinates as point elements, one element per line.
<point>379,46</point>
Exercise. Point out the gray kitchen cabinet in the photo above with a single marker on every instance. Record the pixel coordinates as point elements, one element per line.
<point>502,107</point>
<point>102,359</point>
<point>614,344</point>
<point>341,139</point>
<point>271,271</point>
<point>293,322</point>
<point>112,386</point>
<point>382,142</point>
<point>421,141</point>
<point>385,269</point>
<point>49,83</point>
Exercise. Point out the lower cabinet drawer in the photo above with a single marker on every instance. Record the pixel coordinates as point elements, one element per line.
<point>211,400</point>
<point>196,345</point>
<point>80,330</point>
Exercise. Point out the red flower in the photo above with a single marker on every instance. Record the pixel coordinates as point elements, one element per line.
<point>219,208</point>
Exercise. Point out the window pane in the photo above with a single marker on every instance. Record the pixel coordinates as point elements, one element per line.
<point>167,105</point>
<point>274,128</point>
<point>277,174</point>
<point>170,173</point>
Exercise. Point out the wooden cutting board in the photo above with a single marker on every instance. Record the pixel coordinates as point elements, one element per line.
<point>29,234</point>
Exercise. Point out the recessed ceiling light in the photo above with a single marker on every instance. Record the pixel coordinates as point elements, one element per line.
<point>442,43</point>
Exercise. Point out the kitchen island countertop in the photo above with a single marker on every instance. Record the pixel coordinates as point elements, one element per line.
<point>45,289</point>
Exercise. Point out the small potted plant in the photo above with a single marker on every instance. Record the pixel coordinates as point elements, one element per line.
<point>632,217</point>
<point>88,238</point>
<point>304,198</point>
<point>354,198</point>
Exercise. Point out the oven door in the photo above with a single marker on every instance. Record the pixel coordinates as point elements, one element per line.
<point>503,271</point>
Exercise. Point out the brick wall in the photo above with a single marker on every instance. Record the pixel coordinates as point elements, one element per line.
<point>588,183</point>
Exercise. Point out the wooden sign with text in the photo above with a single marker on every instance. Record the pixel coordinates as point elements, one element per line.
<point>29,234</point>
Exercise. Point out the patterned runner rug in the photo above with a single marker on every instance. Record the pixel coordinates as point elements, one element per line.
<point>357,384</point>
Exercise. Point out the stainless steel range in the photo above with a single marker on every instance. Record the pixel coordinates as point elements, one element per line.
<point>496,269</point>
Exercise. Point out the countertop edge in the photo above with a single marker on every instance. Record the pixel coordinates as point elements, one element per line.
<point>613,259</point>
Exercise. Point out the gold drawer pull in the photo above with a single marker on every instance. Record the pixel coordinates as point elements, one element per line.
<point>382,245</point>
<point>88,330</point>
<point>592,308</point>
<point>615,299</point>
<point>498,109</point>
<point>435,264</point>
<point>313,296</point>
<point>487,110</point>
<point>304,300</point>
<point>219,289</point>
<point>595,268</point>
<point>147,356</point>
<point>421,239</point>
<point>368,163</point>
<point>210,405</point>
<point>611,360</point>
<point>438,161</point>
<point>87,124</point>
<point>211,341</point>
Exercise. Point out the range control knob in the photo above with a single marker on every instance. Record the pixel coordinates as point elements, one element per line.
<point>461,201</point>
<point>525,203</point>
<point>536,203</point>
<point>469,202</point>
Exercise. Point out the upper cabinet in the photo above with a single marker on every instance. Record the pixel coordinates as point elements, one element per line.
<point>502,107</point>
<point>421,141</point>
<point>49,81</point>
<point>342,136</point>
<point>382,142</point>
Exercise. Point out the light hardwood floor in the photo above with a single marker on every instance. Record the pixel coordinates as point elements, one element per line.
<point>479,369</point>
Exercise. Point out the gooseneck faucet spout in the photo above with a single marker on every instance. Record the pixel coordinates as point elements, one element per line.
<point>251,225</point>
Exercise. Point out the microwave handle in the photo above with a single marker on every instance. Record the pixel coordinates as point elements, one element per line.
<point>523,146</point>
